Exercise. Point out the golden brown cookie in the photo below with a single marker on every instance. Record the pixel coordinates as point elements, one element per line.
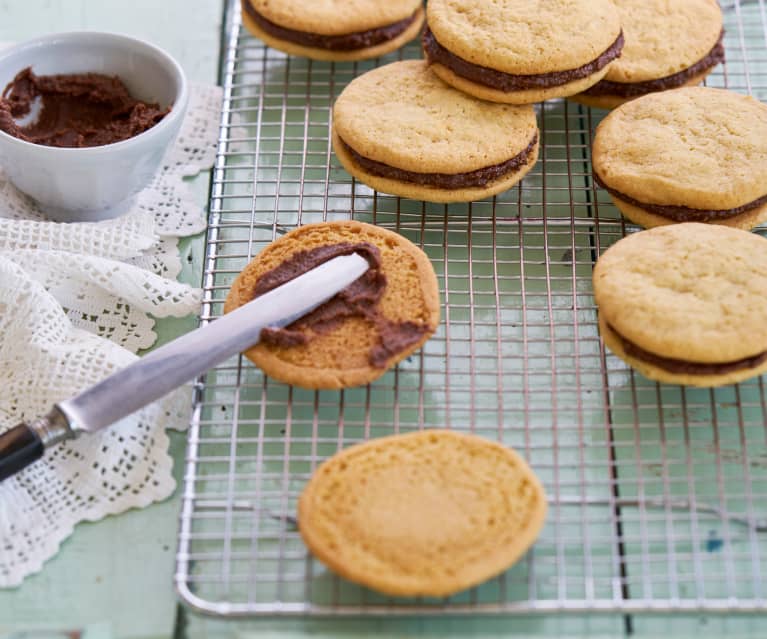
<point>366,329</point>
<point>686,304</point>
<point>693,154</point>
<point>330,30</point>
<point>428,513</point>
<point>520,52</point>
<point>401,130</point>
<point>669,44</point>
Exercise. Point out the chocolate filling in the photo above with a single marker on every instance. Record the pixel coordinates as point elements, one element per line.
<point>501,81</point>
<point>359,299</point>
<point>683,213</point>
<point>684,367</point>
<point>77,110</point>
<point>635,89</point>
<point>478,178</point>
<point>345,42</point>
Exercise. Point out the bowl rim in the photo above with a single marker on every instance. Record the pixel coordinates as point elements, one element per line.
<point>105,38</point>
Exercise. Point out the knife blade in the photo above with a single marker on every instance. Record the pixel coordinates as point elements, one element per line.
<point>176,363</point>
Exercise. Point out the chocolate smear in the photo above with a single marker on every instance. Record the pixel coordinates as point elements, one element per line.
<point>359,299</point>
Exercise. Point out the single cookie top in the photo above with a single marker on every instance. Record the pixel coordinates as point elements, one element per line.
<point>692,292</point>
<point>522,37</point>
<point>696,147</point>
<point>371,325</point>
<point>331,17</point>
<point>404,116</point>
<point>427,513</point>
<point>664,37</point>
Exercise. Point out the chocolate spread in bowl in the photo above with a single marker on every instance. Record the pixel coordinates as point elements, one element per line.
<point>359,299</point>
<point>76,110</point>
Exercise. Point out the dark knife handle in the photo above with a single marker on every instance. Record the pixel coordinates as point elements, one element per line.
<point>26,443</point>
<point>19,447</point>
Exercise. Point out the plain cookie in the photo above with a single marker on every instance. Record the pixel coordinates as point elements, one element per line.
<point>521,52</point>
<point>686,304</point>
<point>687,155</point>
<point>428,513</point>
<point>669,44</point>
<point>401,130</point>
<point>351,340</point>
<point>330,30</point>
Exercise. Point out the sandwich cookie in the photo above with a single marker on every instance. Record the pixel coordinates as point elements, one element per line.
<point>367,328</point>
<point>401,130</point>
<point>424,514</point>
<point>688,155</point>
<point>520,52</point>
<point>669,44</point>
<point>330,30</point>
<point>686,304</point>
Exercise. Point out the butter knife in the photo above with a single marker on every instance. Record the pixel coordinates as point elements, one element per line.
<point>176,363</point>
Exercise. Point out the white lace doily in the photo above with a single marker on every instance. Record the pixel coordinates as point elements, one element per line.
<point>76,302</point>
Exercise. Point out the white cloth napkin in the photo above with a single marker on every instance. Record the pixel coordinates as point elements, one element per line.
<point>76,303</point>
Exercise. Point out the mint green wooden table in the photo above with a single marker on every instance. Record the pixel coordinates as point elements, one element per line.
<point>114,578</point>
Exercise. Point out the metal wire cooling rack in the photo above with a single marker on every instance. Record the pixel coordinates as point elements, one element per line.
<point>658,494</point>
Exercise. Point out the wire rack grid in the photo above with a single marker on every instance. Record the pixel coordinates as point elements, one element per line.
<point>658,494</point>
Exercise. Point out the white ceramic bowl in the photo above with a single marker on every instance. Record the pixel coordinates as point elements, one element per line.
<point>95,183</point>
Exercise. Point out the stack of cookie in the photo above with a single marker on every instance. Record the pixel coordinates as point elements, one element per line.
<point>401,130</point>
<point>512,53</point>
<point>680,303</point>
<point>690,155</point>
<point>686,302</point>
<point>521,52</point>
<point>335,31</point>
<point>460,126</point>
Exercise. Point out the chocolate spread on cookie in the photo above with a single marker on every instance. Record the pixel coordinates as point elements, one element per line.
<point>77,110</point>
<point>635,89</point>
<point>480,177</point>
<point>683,213</point>
<point>359,299</point>
<point>345,42</point>
<point>501,81</point>
<point>680,366</point>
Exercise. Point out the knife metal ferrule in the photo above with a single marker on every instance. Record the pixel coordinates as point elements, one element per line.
<point>53,428</point>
